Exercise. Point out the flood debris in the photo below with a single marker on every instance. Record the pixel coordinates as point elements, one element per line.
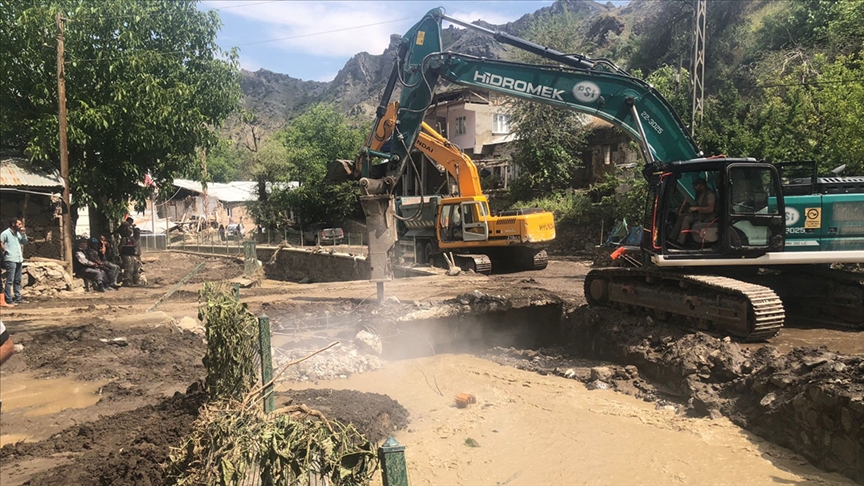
<point>462,400</point>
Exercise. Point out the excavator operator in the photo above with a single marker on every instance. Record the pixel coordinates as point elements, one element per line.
<point>702,214</point>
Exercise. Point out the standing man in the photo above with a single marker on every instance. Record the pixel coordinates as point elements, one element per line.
<point>11,241</point>
<point>128,247</point>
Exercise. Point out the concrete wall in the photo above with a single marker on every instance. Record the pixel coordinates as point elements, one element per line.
<point>294,264</point>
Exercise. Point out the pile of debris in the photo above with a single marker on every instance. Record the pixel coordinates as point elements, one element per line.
<point>359,356</point>
<point>47,277</point>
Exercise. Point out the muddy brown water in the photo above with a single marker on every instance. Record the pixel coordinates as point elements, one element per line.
<point>840,341</point>
<point>534,429</point>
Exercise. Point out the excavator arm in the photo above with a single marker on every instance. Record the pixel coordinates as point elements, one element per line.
<point>594,88</point>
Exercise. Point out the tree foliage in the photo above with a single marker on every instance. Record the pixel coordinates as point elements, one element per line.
<point>146,85</point>
<point>309,143</point>
<point>549,140</point>
<point>316,138</point>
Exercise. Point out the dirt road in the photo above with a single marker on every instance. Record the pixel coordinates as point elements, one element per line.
<point>100,392</point>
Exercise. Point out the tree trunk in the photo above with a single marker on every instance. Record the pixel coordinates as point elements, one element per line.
<point>262,189</point>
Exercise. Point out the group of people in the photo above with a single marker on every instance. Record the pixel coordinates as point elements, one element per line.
<point>94,259</point>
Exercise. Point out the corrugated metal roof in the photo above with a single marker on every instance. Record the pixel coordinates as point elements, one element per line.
<point>14,174</point>
<point>236,191</point>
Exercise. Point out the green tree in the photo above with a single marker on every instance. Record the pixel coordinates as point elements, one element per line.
<point>832,25</point>
<point>813,112</point>
<point>223,164</point>
<point>146,85</point>
<point>725,129</point>
<point>316,138</point>
<point>549,140</point>
<point>548,148</point>
<point>308,144</point>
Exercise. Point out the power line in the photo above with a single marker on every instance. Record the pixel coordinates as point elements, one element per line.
<point>325,32</point>
<point>255,42</point>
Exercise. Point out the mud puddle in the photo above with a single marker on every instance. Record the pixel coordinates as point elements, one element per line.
<point>598,437</point>
<point>32,397</point>
<point>838,341</point>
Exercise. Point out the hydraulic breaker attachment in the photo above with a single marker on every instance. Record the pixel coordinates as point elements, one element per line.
<point>380,211</point>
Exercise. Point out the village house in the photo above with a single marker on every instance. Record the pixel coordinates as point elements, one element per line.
<point>479,123</point>
<point>35,197</point>
<point>198,207</point>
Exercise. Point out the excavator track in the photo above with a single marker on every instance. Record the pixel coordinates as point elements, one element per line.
<point>518,259</point>
<point>747,311</point>
<point>475,262</point>
<point>540,260</point>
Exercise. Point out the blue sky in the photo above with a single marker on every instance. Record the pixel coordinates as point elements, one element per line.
<point>312,40</point>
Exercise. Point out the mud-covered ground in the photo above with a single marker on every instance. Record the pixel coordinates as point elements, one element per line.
<point>136,364</point>
<point>139,373</point>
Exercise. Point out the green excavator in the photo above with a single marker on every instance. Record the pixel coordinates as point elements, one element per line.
<point>727,243</point>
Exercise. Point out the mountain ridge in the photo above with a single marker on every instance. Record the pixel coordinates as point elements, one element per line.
<point>275,98</point>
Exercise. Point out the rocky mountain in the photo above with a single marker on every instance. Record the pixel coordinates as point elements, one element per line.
<point>277,98</point>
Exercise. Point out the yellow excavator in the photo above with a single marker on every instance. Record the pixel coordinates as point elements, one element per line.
<point>460,224</point>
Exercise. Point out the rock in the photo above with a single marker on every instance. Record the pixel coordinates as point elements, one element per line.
<point>597,385</point>
<point>118,341</point>
<point>602,373</point>
<point>813,362</point>
<point>191,324</point>
<point>632,371</point>
<point>768,399</point>
<point>368,342</point>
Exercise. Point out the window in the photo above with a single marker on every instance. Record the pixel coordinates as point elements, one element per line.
<point>461,125</point>
<point>501,123</point>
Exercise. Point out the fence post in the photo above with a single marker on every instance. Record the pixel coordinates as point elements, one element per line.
<point>266,363</point>
<point>394,471</point>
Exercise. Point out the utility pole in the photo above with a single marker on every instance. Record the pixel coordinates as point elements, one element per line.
<point>66,217</point>
<point>698,65</point>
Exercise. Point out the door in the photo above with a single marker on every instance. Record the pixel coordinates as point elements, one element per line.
<point>756,220</point>
<point>474,225</point>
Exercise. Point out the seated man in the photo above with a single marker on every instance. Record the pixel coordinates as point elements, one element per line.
<point>699,216</point>
<point>96,254</point>
<point>84,268</point>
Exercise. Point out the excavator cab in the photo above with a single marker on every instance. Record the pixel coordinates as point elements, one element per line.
<point>463,219</point>
<point>722,207</point>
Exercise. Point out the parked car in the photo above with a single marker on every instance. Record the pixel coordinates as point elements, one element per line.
<point>322,234</point>
<point>234,229</point>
